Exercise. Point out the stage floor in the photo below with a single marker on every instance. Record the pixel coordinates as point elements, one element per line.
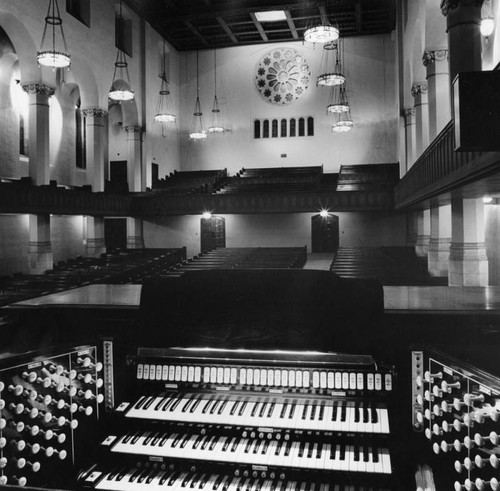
<point>397,299</point>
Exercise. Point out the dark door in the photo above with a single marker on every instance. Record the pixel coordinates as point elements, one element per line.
<point>115,233</point>
<point>118,176</point>
<point>324,233</point>
<point>213,233</point>
<point>154,174</point>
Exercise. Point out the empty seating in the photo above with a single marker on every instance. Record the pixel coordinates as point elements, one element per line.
<point>373,177</point>
<point>191,182</point>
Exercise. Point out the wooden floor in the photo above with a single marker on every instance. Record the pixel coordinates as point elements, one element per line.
<point>397,299</point>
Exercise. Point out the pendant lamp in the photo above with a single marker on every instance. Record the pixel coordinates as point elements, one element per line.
<point>216,126</point>
<point>164,110</point>
<point>197,127</point>
<point>331,66</point>
<point>53,50</point>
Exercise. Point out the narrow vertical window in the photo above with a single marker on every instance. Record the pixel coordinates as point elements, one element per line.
<point>283,127</point>
<point>275,128</point>
<point>302,129</point>
<point>293,124</point>
<point>265,129</point>
<point>310,126</point>
<point>23,137</point>
<point>256,128</point>
<point>80,138</point>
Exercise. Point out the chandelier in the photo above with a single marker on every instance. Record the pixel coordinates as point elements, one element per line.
<point>331,66</point>
<point>323,33</point>
<point>338,100</point>
<point>216,126</point>
<point>164,111</point>
<point>343,122</point>
<point>53,52</point>
<point>120,88</point>
<point>487,25</point>
<point>197,127</point>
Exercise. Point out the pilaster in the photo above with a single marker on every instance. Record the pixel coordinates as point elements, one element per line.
<point>134,168</point>
<point>135,234</point>
<point>40,255</point>
<point>423,233</point>
<point>95,122</point>
<point>95,244</point>
<point>438,85</point>
<point>38,114</point>
<point>419,93</point>
<point>410,137</point>
<point>440,240</point>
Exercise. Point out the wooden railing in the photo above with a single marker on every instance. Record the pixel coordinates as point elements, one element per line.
<point>440,169</point>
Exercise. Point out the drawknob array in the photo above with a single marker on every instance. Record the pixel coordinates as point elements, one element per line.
<point>42,403</point>
<point>458,410</point>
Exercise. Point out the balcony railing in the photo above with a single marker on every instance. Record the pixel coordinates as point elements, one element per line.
<point>440,169</point>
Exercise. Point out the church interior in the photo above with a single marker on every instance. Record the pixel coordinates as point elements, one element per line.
<point>250,245</point>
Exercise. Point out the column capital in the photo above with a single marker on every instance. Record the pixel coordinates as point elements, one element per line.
<point>418,88</point>
<point>134,129</point>
<point>96,112</point>
<point>409,112</point>
<point>38,88</point>
<point>434,56</point>
<point>447,5</point>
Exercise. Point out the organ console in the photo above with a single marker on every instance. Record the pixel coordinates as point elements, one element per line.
<point>256,420</point>
<point>457,408</point>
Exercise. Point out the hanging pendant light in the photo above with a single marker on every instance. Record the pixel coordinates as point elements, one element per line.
<point>331,66</point>
<point>164,111</point>
<point>53,52</point>
<point>343,122</point>
<point>487,25</point>
<point>120,88</point>
<point>197,127</point>
<point>323,33</point>
<point>216,126</point>
<point>338,100</point>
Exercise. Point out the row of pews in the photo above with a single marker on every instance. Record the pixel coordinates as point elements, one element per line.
<point>191,182</point>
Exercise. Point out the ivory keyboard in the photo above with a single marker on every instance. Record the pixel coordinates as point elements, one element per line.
<point>250,420</point>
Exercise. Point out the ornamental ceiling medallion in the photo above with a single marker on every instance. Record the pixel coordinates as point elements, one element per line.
<point>282,76</point>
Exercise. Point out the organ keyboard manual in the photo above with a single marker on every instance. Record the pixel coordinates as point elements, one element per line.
<point>249,420</point>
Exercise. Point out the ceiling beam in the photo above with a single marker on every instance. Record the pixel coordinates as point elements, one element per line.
<point>226,28</point>
<point>259,27</point>
<point>196,32</point>
<point>291,24</point>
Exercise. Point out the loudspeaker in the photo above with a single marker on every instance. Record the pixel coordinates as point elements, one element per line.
<point>476,98</point>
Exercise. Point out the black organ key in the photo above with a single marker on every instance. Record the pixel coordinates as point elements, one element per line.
<point>243,407</point>
<point>343,413</point>
<point>164,478</point>
<point>283,410</point>
<point>254,410</point>
<point>321,411</point>
<point>186,405</point>
<point>335,408</point>
<point>375,454</point>
<point>222,406</point>
<point>356,453</point>
<point>163,439</point>
<point>374,414</point>
<point>135,438</point>
<point>205,407</point>
<point>356,412</point>
<point>151,476</point>
<point>233,408</point>
<point>140,402</point>
<point>366,414</point>
<point>195,405</point>
<point>313,411</point>
<point>271,409</point>
<point>173,477</point>
<point>159,404</point>
<point>292,409</point>
<point>304,411</point>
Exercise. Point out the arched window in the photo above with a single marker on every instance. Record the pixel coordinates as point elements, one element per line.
<point>275,128</point>
<point>293,129</point>
<point>256,128</point>
<point>265,129</point>
<point>123,30</point>
<point>302,129</point>
<point>283,127</point>
<point>80,138</point>
<point>310,126</point>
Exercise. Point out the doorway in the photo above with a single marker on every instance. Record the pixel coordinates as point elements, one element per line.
<point>213,233</point>
<point>324,233</point>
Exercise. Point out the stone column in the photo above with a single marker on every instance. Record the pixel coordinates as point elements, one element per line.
<point>463,18</point>
<point>440,240</point>
<point>468,260</point>
<point>95,123</point>
<point>135,236</point>
<point>419,92</point>
<point>410,137</point>
<point>39,248</point>
<point>423,233</point>
<point>438,85</point>
<point>38,99</point>
<point>411,229</point>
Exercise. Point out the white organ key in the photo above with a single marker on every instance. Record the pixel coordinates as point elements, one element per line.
<point>197,374</point>
<point>234,376</point>
<point>227,375</point>
<point>220,375</point>
<point>177,376</point>
<point>331,380</point>
<point>164,372</point>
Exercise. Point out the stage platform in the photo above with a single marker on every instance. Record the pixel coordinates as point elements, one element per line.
<point>418,300</point>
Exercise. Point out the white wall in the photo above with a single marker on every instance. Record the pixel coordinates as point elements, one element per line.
<point>279,230</point>
<point>370,70</point>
